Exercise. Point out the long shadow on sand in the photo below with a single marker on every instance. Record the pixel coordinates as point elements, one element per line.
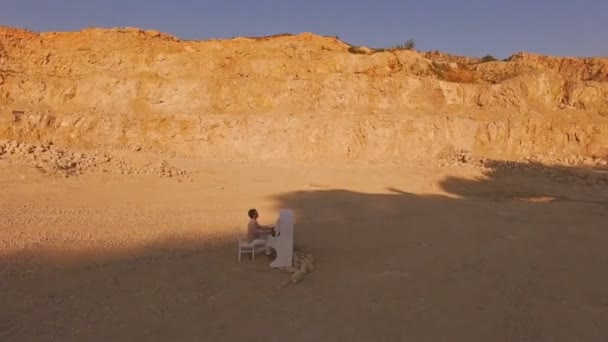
<point>512,256</point>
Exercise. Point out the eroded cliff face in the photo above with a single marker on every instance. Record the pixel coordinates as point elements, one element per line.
<point>299,98</point>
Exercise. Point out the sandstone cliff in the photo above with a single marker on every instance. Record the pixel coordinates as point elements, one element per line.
<point>299,98</point>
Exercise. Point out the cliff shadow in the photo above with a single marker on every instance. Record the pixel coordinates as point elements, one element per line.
<point>511,255</point>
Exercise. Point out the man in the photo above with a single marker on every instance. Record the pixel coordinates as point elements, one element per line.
<point>256,233</point>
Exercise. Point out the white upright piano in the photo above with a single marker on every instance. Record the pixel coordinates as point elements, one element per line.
<point>282,242</point>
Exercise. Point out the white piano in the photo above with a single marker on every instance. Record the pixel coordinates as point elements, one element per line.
<point>282,242</point>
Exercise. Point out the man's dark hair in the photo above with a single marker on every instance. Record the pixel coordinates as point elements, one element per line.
<point>251,213</point>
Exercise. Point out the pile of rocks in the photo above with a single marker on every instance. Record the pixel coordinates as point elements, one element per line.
<point>49,159</point>
<point>558,173</point>
<point>302,264</point>
<point>558,169</point>
<point>455,157</point>
<point>164,169</point>
<point>121,166</point>
<point>572,161</point>
<point>167,170</point>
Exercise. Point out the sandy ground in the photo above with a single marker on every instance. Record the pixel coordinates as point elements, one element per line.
<point>402,253</point>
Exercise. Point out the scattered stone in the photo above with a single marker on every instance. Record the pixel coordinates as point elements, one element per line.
<point>297,277</point>
<point>49,159</point>
<point>302,264</point>
<point>167,170</point>
<point>464,157</point>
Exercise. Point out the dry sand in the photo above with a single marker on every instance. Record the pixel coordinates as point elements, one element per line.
<point>444,199</point>
<point>402,253</point>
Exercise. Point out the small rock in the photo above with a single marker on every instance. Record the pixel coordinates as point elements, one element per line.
<point>297,277</point>
<point>306,266</point>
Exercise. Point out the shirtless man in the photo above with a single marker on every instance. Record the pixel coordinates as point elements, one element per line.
<point>256,233</point>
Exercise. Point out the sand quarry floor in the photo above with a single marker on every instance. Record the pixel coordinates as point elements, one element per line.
<point>402,254</point>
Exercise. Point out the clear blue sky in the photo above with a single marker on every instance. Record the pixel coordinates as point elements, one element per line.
<point>473,27</point>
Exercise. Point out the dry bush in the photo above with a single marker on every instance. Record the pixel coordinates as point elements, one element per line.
<point>488,58</point>
<point>408,45</point>
<point>358,50</point>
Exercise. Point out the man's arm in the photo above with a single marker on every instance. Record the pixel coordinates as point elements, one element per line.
<point>263,229</point>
